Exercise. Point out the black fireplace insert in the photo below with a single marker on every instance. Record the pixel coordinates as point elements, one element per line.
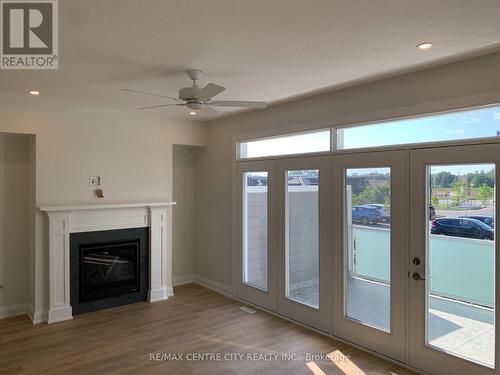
<point>108,268</point>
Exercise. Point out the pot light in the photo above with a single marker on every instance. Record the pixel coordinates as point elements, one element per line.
<point>192,113</point>
<point>34,92</point>
<point>425,45</point>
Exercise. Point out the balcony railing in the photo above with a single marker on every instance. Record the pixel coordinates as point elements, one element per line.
<point>461,268</point>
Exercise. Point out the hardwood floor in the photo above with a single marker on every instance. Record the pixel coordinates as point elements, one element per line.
<point>196,321</point>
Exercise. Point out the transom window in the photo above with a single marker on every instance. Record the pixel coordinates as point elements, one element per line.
<point>471,124</point>
<point>453,126</point>
<point>302,143</point>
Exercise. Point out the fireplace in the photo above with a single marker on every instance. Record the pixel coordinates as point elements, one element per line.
<point>84,225</point>
<point>108,268</point>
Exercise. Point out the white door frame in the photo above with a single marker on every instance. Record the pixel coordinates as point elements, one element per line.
<point>393,343</point>
<point>317,318</point>
<point>259,297</point>
<point>420,355</point>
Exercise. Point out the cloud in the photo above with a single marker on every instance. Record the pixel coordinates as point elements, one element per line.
<point>455,131</point>
<point>471,120</point>
<point>496,116</point>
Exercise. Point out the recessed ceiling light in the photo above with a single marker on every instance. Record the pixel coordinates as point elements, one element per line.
<point>34,92</point>
<point>192,113</point>
<point>425,45</point>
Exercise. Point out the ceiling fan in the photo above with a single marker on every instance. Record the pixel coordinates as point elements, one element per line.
<point>200,99</point>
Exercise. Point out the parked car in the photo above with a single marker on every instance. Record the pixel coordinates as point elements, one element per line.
<point>256,181</point>
<point>366,214</point>
<point>488,220</point>
<point>385,216</point>
<point>432,212</point>
<point>462,227</point>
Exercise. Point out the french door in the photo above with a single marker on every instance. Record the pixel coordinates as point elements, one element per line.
<point>394,251</point>
<point>284,238</point>
<point>256,233</point>
<point>453,260</point>
<point>304,241</point>
<point>370,250</point>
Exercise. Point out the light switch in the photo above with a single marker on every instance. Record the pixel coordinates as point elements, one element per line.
<point>94,181</point>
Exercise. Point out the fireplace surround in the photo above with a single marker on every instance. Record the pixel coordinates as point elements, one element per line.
<point>66,220</point>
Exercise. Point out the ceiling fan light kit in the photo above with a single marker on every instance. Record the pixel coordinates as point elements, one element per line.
<point>200,99</point>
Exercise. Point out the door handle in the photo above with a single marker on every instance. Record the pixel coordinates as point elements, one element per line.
<point>416,276</point>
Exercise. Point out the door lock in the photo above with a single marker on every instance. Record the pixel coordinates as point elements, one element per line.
<point>416,261</point>
<point>416,276</point>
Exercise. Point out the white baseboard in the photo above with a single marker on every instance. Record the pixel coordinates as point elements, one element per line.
<point>216,286</point>
<point>41,316</point>
<point>60,314</point>
<point>156,295</point>
<point>38,316</point>
<point>183,279</point>
<point>14,310</point>
<point>169,291</point>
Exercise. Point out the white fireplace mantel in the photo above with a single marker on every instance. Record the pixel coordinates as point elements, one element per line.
<point>64,220</point>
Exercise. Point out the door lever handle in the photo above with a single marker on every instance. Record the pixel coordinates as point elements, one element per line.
<point>416,276</point>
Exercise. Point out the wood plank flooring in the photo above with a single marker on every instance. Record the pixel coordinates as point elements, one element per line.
<point>196,322</point>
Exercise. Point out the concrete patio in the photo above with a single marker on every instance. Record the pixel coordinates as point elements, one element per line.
<point>461,329</point>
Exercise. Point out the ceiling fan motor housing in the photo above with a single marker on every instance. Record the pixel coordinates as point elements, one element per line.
<point>188,93</point>
<point>194,105</point>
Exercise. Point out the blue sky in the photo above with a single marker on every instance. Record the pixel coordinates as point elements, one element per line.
<point>462,169</point>
<point>478,123</point>
<point>451,126</point>
<point>365,171</point>
<point>459,169</point>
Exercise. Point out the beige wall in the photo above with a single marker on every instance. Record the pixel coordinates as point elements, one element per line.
<point>132,151</point>
<point>17,206</point>
<point>467,83</point>
<point>184,214</point>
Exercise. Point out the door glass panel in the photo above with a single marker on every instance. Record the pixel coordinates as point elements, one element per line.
<point>302,236</point>
<point>368,246</point>
<point>255,211</point>
<point>460,270</point>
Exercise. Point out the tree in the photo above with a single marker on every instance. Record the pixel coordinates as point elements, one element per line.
<point>435,201</point>
<point>485,193</point>
<point>355,199</point>
<point>377,194</point>
<point>458,192</point>
<point>477,179</point>
<point>444,179</point>
<point>387,204</point>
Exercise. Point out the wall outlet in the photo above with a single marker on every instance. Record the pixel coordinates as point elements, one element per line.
<point>95,181</point>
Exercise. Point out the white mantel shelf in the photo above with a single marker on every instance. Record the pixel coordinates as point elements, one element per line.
<point>105,206</point>
<point>64,220</point>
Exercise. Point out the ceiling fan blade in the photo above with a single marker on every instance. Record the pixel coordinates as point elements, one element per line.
<point>161,105</point>
<point>151,94</point>
<point>209,91</point>
<point>236,103</point>
<point>209,111</point>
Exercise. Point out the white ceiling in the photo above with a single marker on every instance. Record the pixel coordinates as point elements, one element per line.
<point>269,50</point>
